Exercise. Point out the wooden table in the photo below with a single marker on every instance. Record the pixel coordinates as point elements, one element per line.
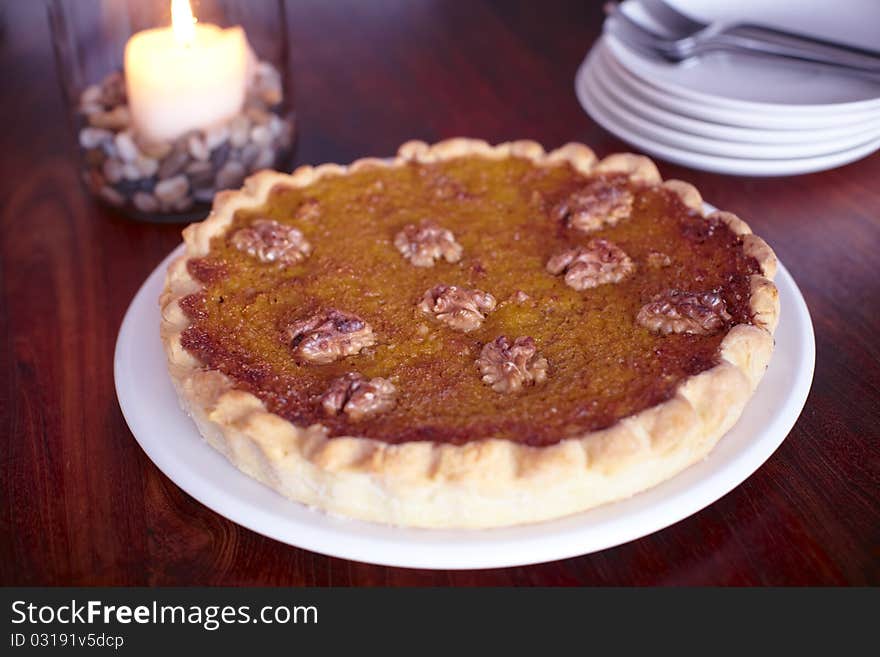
<point>82,504</point>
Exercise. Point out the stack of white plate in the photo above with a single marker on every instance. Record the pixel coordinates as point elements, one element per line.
<point>739,114</point>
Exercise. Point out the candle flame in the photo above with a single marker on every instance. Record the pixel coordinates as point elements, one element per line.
<point>183,22</point>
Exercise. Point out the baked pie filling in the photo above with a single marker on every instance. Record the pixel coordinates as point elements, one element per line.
<point>467,299</point>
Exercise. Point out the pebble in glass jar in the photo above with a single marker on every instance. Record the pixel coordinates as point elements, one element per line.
<point>174,178</point>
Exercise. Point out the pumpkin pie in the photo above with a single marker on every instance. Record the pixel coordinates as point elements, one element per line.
<point>467,335</point>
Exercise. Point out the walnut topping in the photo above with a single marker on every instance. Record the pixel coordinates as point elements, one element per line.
<point>326,337</point>
<point>458,307</point>
<point>684,312</point>
<point>508,367</point>
<point>597,263</point>
<point>358,397</point>
<point>427,242</point>
<point>268,241</point>
<point>599,204</point>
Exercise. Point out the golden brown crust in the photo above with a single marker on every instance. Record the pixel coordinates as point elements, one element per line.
<point>483,483</point>
<point>637,167</point>
<point>688,194</point>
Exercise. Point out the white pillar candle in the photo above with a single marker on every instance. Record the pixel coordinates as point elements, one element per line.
<point>184,77</point>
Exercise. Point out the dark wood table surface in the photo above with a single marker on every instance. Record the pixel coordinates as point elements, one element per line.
<point>82,504</point>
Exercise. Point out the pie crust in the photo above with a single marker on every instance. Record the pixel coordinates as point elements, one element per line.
<point>484,483</point>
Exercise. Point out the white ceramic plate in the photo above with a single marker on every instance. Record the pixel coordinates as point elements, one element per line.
<point>172,442</point>
<point>591,98</point>
<point>628,113</point>
<point>761,84</point>
<point>846,21</point>
<point>708,108</point>
<point>697,119</point>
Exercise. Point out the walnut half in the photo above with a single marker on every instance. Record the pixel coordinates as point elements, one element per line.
<point>600,203</point>
<point>458,307</point>
<point>597,263</point>
<point>269,241</point>
<point>509,367</point>
<point>697,313</point>
<point>328,336</point>
<point>358,397</point>
<point>427,242</point>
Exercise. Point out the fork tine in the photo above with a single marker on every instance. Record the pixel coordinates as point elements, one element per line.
<point>643,49</point>
<point>619,16</point>
<point>678,24</point>
<point>638,38</point>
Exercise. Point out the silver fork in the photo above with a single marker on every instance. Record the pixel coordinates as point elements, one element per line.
<point>685,38</point>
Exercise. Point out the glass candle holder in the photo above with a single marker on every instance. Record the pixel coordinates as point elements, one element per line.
<point>171,103</point>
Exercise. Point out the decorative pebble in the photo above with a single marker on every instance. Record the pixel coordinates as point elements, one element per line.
<point>147,166</point>
<point>113,90</point>
<point>109,148</point>
<point>126,147</point>
<point>220,154</point>
<point>130,171</point>
<point>172,177</point>
<point>116,119</point>
<point>268,84</point>
<point>231,175</point>
<point>145,202</point>
<point>156,150</point>
<point>271,96</point>
<point>249,155</point>
<point>171,190</point>
<point>201,174</point>
<point>239,131</point>
<point>260,135</point>
<point>92,137</point>
<point>257,115</point>
<point>91,96</point>
<point>111,196</point>
<point>216,137</point>
<point>205,194</point>
<point>265,159</point>
<point>197,148</point>
<point>182,204</point>
<point>174,163</point>
<point>264,70</point>
<point>112,170</point>
<point>276,125</point>
<point>196,168</point>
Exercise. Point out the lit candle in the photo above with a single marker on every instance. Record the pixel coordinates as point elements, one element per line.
<point>184,77</point>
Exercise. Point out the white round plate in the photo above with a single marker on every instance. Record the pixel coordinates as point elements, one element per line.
<point>591,98</point>
<point>697,119</point>
<point>172,442</point>
<point>620,107</point>
<point>709,109</point>
<point>762,84</point>
<point>853,22</point>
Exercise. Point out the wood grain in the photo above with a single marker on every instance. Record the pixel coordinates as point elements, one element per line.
<point>81,504</point>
